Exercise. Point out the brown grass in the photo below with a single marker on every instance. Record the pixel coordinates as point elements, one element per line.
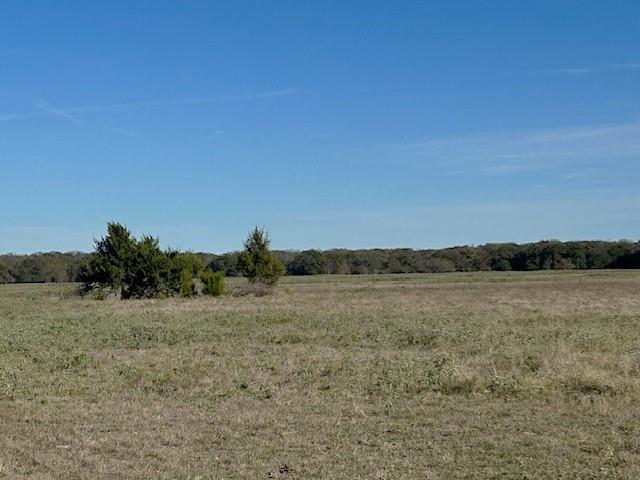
<point>400,376</point>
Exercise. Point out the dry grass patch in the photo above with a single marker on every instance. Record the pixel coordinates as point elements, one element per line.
<point>417,376</point>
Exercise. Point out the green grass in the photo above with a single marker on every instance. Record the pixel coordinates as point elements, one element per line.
<point>465,375</point>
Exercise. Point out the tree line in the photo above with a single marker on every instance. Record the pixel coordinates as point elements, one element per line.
<point>546,255</point>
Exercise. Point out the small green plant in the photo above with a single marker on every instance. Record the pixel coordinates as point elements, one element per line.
<point>75,362</point>
<point>98,293</point>
<point>505,386</point>
<point>213,283</point>
<point>187,288</point>
<point>443,375</point>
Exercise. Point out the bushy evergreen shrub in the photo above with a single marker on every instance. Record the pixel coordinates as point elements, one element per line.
<point>187,288</point>
<point>148,274</point>
<point>98,293</point>
<point>213,283</point>
<point>257,262</point>
<point>190,266</point>
<point>138,268</point>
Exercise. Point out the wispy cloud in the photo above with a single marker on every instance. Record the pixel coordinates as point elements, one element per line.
<point>580,174</point>
<point>566,216</point>
<point>585,132</point>
<point>182,101</point>
<point>577,71</point>
<point>520,151</point>
<point>120,131</point>
<point>68,112</point>
<point>214,134</point>
<point>588,70</point>
<point>19,116</point>
<point>625,66</point>
<point>48,109</point>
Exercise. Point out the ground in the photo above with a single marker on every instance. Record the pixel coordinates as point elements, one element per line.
<point>443,376</point>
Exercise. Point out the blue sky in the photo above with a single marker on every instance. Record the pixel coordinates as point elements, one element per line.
<point>334,124</point>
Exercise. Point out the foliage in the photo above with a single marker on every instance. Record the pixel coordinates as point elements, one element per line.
<point>226,263</point>
<point>5,276</point>
<point>213,282</point>
<point>41,267</point>
<point>150,271</point>
<point>257,262</point>
<point>136,268</point>
<point>187,288</point>
<point>552,255</point>
<point>97,293</point>
<point>309,262</point>
<point>191,262</point>
<point>113,258</point>
<point>188,266</point>
<point>628,260</point>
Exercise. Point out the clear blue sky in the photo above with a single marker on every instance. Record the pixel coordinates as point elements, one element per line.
<point>332,123</point>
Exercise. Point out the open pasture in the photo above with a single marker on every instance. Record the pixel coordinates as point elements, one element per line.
<point>438,376</point>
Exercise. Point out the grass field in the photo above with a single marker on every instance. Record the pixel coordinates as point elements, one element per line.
<point>445,376</point>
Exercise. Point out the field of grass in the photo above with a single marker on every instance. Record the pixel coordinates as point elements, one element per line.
<point>445,376</point>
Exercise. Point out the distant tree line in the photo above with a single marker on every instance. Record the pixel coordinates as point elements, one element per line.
<point>547,255</point>
<point>41,267</point>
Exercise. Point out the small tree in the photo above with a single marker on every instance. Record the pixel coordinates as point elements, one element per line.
<point>213,282</point>
<point>187,288</point>
<point>147,275</point>
<point>257,262</point>
<point>114,254</point>
<point>189,266</point>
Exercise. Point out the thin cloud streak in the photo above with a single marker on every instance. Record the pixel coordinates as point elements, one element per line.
<point>182,101</point>
<point>120,131</point>
<point>530,136</point>
<point>67,112</point>
<point>585,133</point>
<point>519,151</point>
<point>564,216</point>
<point>577,71</point>
<point>46,108</point>
<point>625,66</point>
<point>19,116</point>
<point>628,66</point>
<point>214,134</point>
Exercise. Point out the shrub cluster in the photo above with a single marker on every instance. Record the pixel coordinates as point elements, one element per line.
<point>139,268</point>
